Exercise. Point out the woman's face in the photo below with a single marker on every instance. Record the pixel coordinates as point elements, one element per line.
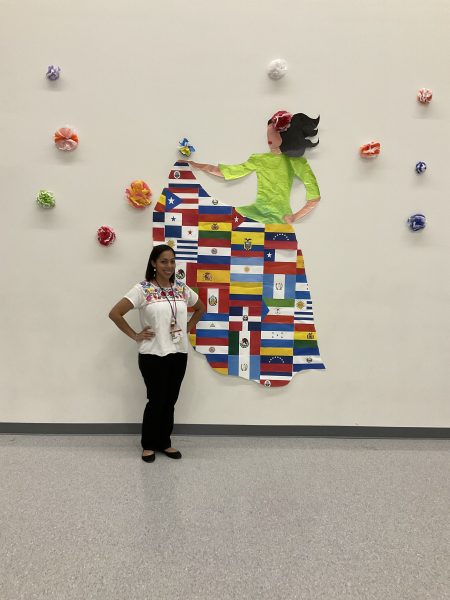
<point>273,139</point>
<point>165,264</point>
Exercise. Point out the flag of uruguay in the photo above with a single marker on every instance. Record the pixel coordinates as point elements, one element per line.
<point>303,311</point>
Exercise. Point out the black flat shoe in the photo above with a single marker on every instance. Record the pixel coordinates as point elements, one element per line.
<point>176,454</point>
<point>149,458</point>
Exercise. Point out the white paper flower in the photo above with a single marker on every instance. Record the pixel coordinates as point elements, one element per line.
<point>277,68</point>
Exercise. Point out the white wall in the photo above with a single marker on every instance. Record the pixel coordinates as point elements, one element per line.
<point>137,76</point>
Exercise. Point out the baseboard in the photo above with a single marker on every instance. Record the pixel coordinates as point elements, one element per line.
<point>230,430</point>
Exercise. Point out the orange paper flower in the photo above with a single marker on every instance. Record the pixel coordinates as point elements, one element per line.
<point>66,139</point>
<point>139,194</point>
<point>370,150</point>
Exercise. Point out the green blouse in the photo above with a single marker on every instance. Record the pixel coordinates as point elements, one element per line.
<point>275,174</point>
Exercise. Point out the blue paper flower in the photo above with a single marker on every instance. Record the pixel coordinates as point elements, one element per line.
<point>421,167</point>
<point>416,222</point>
<point>185,147</point>
<point>53,72</point>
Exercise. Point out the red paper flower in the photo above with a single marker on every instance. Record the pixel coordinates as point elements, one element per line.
<point>106,235</point>
<point>281,120</point>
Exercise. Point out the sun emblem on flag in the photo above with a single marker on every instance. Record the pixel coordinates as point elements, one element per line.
<point>207,276</point>
<point>181,274</point>
<point>247,243</point>
<point>246,269</point>
<point>212,301</point>
<point>215,227</point>
<point>171,243</point>
<point>300,304</point>
<point>244,343</point>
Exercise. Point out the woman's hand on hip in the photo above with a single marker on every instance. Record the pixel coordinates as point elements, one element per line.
<point>146,334</point>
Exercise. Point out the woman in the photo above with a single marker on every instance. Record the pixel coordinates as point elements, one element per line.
<point>287,139</point>
<point>162,302</point>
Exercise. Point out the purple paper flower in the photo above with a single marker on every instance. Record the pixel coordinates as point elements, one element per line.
<point>416,222</point>
<point>53,72</point>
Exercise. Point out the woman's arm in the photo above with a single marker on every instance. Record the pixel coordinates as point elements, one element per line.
<point>212,169</point>
<point>307,208</point>
<point>199,310</point>
<point>116,314</point>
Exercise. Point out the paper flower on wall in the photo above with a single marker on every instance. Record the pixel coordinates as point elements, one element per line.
<point>185,147</point>
<point>53,72</point>
<point>424,95</point>
<point>45,199</point>
<point>416,222</point>
<point>370,150</point>
<point>66,139</point>
<point>421,167</point>
<point>139,194</point>
<point>105,235</point>
<point>277,68</point>
<point>281,120</point>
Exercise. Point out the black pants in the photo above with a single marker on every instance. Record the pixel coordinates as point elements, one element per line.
<point>163,376</point>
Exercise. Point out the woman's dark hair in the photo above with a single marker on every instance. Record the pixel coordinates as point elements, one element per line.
<point>150,273</point>
<point>293,140</point>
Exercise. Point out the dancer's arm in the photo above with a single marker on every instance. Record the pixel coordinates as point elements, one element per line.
<point>212,169</point>
<point>307,208</point>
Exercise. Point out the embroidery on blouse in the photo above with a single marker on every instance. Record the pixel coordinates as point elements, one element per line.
<point>153,293</point>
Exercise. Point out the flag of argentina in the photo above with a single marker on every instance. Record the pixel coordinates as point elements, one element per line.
<point>186,250</point>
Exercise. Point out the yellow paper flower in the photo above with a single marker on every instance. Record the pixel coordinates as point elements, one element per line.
<point>139,194</point>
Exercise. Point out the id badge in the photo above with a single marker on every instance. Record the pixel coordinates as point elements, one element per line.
<point>176,334</point>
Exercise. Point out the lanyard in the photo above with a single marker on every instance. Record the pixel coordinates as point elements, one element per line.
<point>174,310</point>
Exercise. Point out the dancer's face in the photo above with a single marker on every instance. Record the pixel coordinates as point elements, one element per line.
<point>273,139</point>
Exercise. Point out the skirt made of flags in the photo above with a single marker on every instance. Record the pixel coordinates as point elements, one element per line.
<point>259,323</point>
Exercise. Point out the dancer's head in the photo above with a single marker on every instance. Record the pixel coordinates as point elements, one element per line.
<point>288,133</point>
<point>161,263</point>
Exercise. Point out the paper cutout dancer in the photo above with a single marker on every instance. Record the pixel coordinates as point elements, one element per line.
<point>245,262</point>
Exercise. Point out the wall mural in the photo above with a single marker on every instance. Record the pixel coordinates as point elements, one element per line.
<point>245,262</point>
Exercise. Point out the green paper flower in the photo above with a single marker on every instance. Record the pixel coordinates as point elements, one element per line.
<point>46,199</point>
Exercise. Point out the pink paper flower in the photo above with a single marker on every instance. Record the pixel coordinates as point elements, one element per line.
<point>424,95</point>
<point>66,139</point>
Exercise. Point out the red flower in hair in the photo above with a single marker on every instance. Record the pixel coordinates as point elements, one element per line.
<point>281,120</point>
